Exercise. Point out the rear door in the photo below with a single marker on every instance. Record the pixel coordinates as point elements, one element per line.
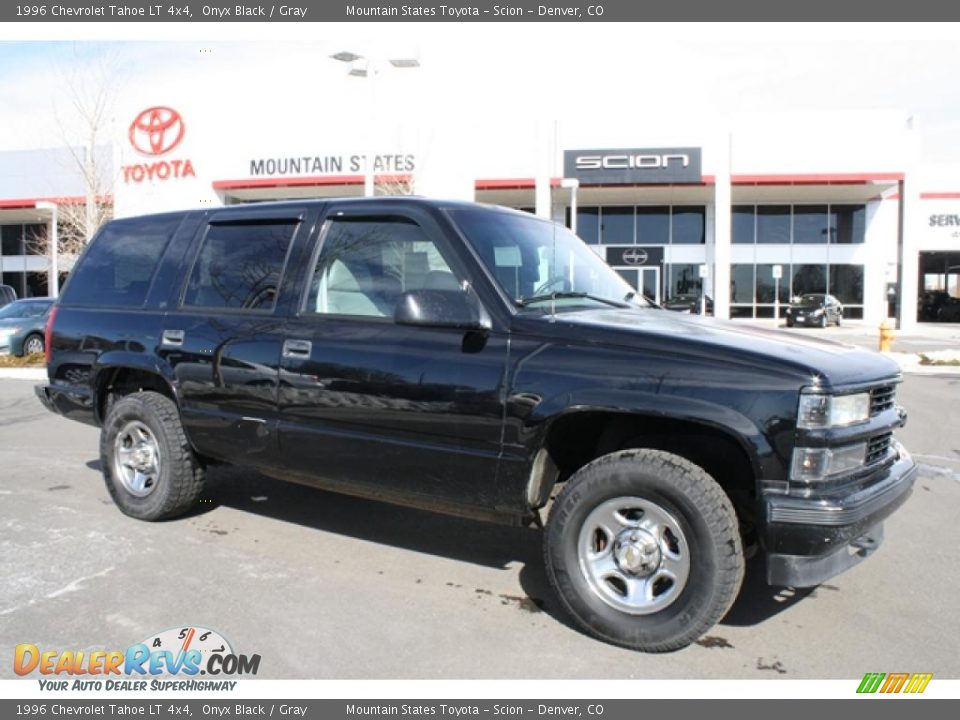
<point>224,331</point>
<point>365,402</point>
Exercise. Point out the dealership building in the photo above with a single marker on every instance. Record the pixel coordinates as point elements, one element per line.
<point>750,211</point>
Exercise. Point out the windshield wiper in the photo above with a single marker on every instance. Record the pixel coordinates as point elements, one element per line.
<point>565,295</point>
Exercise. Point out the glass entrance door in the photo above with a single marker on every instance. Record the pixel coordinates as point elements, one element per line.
<point>646,280</point>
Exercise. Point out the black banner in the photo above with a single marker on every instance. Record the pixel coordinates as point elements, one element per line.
<point>517,11</point>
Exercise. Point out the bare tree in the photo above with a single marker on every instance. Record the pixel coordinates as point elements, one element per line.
<point>393,185</point>
<point>83,111</point>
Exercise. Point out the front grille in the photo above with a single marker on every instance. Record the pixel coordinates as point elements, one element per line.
<point>877,448</point>
<point>882,398</point>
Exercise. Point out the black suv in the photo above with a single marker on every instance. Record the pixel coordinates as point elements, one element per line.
<point>483,362</point>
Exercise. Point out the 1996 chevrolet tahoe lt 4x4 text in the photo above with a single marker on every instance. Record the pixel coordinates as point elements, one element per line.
<point>483,362</point>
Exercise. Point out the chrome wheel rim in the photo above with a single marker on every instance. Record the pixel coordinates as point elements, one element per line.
<point>136,459</point>
<point>34,345</point>
<point>633,555</point>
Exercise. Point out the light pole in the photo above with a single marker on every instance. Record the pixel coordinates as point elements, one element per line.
<point>370,68</point>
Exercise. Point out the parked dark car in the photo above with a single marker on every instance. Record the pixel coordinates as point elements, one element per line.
<point>487,363</point>
<point>949,311</point>
<point>7,295</point>
<point>816,310</point>
<point>689,303</point>
<point>22,325</point>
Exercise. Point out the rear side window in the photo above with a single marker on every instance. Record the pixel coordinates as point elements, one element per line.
<point>240,265</point>
<point>117,268</point>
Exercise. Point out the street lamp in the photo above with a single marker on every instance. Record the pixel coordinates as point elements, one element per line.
<point>369,68</point>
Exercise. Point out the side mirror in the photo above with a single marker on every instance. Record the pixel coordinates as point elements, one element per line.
<point>441,309</point>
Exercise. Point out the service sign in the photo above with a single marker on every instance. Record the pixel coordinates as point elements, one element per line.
<point>634,166</point>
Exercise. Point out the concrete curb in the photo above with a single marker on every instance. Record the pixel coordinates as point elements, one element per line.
<point>23,373</point>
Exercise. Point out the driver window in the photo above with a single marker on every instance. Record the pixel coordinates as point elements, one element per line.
<point>365,265</point>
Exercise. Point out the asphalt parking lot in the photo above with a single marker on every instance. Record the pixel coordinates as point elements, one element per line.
<point>327,586</point>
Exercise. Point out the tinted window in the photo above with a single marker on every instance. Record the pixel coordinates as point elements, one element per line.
<point>117,267</point>
<point>773,224</point>
<point>683,279</point>
<point>741,283</point>
<point>810,224</point>
<point>846,283</point>
<point>741,231</point>
<point>766,284</point>
<point>365,265</point>
<point>588,224</point>
<point>809,279</point>
<point>688,226</point>
<point>11,239</point>
<point>240,265</point>
<point>848,223</point>
<point>653,225</point>
<point>617,225</point>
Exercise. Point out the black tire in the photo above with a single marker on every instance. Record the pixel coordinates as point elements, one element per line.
<point>839,319</point>
<point>789,323</point>
<point>706,519</point>
<point>33,338</point>
<point>180,478</point>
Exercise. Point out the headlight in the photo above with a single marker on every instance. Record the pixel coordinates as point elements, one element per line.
<point>818,313</point>
<point>816,464</point>
<point>8,331</point>
<point>826,411</point>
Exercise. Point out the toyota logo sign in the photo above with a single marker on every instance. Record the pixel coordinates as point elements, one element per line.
<point>157,130</point>
<point>635,256</point>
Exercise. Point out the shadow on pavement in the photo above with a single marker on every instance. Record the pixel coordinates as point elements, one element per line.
<point>757,601</point>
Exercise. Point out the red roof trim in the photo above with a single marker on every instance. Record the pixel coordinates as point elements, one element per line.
<point>940,196</point>
<point>302,181</point>
<point>817,179</point>
<point>31,203</point>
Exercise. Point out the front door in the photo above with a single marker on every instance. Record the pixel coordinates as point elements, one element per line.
<point>380,407</point>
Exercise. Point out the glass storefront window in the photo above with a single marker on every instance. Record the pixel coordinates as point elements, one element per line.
<point>846,283</point>
<point>773,224</point>
<point>653,225</point>
<point>616,224</point>
<point>848,224</point>
<point>11,239</point>
<point>683,279</point>
<point>766,284</point>
<point>688,225</point>
<point>741,283</point>
<point>742,224</point>
<point>588,224</point>
<point>809,279</point>
<point>810,224</point>
<point>631,276</point>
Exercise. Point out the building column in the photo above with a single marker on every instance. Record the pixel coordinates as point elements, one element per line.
<point>719,259</point>
<point>909,258</point>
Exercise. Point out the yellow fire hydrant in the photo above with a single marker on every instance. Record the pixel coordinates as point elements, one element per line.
<point>886,335</point>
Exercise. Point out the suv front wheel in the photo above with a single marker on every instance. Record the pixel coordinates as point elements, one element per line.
<point>149,467</point>
<point>643,549</point>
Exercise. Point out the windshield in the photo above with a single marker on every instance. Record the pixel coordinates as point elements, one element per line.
<point>23,310</point>
<point>537,261</point>
<point>811,300</point>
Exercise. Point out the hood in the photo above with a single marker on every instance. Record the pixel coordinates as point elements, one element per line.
<point>817,361</point>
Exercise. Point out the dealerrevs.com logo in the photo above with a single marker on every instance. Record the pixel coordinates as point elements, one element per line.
<point>170,660</point>
<point>155,132</point>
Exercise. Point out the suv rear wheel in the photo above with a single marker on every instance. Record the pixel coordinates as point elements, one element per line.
<point>149,467</point>
<point>643,549</point>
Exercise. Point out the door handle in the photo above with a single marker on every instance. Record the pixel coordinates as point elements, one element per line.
<point>173,337</point>
<point>297,348</point>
